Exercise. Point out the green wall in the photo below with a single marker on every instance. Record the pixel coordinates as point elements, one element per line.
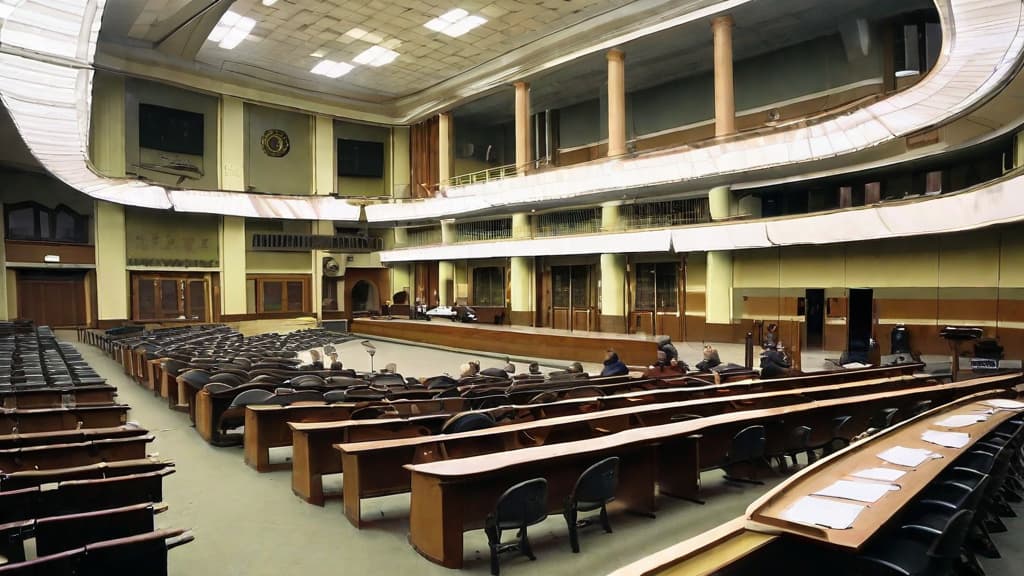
<point>290,174</point>
<point>162,239</point>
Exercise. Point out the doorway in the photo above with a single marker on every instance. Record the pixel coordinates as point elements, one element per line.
<point>571,297</point>
<point>365,298</point>
<point>170,297</point>
<point>814,316</point>
<point>859,323</point>
<point>52,297</point>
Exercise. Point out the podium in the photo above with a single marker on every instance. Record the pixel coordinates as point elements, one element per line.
<point>955,336</point>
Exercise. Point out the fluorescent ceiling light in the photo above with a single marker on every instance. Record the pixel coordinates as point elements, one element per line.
<point>376,56</point>
<point>332,69</point>
<point>455,22</point>
<point>231,30</point>
<point>269,2</point>
<point>319,53</point>
<point>356,33</point>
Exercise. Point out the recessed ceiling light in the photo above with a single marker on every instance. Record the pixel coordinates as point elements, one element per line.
<point>318,53</point>
<point>376,56</point>
<point>332,69</point>
<point>356,33</point>
<point>455,22</point>
<point>269,2</point>
<point>231,30</point>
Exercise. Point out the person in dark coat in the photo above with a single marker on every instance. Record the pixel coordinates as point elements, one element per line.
<point>775,363</point>
<point>710,360</point>
<point>494,373</point>
<point>612,365</point>
<point>665,345</point>
<point>335,363</point>
<point>665,368</point>
<point>317,363</point>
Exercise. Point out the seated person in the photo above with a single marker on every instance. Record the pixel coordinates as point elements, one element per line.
<point>390,368</point>
<point>317,362</point>
<point>469,369</point>
<point>335,364</point>
<point>573,371</point>
<point>771,339</point>
<point>510,369</point>
<point>665,368</point>
<point>710,360</point>
<point>494,373</point>
<point>775,363</point>
<point>534,369</point>
<point>612,365</point>
<point>440,382</point>
<point>665,345</point>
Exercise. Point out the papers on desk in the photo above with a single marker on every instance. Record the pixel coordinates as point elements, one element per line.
<point>961,420</point>
<point>1004,404</point>
<point>860,491</point>
<point>909,457</point>
<point>855,365</point>
<point>947,439</point>
<point>821,512</point>
<point>883,474</point>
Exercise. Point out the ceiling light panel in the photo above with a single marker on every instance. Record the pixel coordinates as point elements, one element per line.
<point>376,56</point>
<point>332,69</point>
<point>455,22</point>
<point>231,30</point>
<point>269,2</point>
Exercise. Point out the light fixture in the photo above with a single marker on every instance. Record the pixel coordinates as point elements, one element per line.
<point>318,53</point>
<point>455,22</point>
<point>231,29</point>
<point>332,69</point>
<point>269,2</point>
<point>376,56</point>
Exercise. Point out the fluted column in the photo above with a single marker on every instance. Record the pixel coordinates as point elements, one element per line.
<point>725,101</point>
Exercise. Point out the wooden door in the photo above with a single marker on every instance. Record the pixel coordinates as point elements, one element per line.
<point>52,298</point>
<point>425,281</point>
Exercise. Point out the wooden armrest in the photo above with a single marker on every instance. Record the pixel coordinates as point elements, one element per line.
<point>180,539</point>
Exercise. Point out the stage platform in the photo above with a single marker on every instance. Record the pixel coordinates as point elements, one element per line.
<point>522,341</point>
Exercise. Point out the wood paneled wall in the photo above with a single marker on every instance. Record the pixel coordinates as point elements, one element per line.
<point>424,147</point>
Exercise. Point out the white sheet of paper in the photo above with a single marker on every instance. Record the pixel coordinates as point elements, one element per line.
<point>901,456</point>
<point>821,512</point>
<point>883,474</point>
<point>1005,404</point>
<point>947,439</point>
<point>961,420</point>
<point>860,491</point>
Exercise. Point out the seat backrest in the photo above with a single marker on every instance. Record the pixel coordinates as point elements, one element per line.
<point>370,412</point>
<point>299,396</point>
<point>63,564</point>
<point>214,387</point>
<point>598,483</point>
<point>882,418</point>
<point>195,378</point>
<point>332,396</point>
<point>748,443</point>
<point>838,423</point>
<point>387,380</point>
<point>306,380</point>
<point>947,545</point>
<point>918,408</point>
<point>252,397</point>
<point>582,392</point>
<point>440,383</point>
<point>798,437</point>
<point>543,398</point>
<point>524,504</point>
<point>467,421</point>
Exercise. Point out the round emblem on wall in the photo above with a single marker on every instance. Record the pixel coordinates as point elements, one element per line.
<point>275,143</point>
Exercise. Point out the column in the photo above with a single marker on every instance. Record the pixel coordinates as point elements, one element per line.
<point>721,203</point>
<point>232,265</point>
<point>523,138</point>
<point>401,236</point>
<point>232,143</point>
<point>750,206</point>
<point>323,228</point>
<point>444,148</point>
<point>616,102</point>
<point>521,228</point>
<point>401,163</point>
<point>447,231</point>
<point>611,217</point>
<point>613,293</point>
<point>523,288</point>
<point>718,283</point>
<point>725,102</point>
<point>112,297</point>
<point>4,310</point>
<point>325,172</point>
<point>107,128</point>
<point>446,283</point>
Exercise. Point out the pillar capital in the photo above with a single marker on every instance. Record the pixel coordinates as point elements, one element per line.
<point>521,85</point>
<point>723,21</point>
<point>616,55</point>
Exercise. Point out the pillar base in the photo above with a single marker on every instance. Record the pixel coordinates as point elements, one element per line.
<point>615,324</point>
<point>518,318</point>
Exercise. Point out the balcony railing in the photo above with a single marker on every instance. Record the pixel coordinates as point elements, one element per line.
<point>567,222</point>
<point>483,231</point>
<point>666,213</point>
<point>496,173</point>
<point>424,236</point>
<point>310,242</point>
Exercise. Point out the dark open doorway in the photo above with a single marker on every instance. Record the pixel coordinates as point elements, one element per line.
<point>859,323</point>
<point>814,315</point>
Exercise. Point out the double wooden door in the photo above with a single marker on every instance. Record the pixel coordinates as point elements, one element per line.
<point>52,297</point>
<point>572,298</point>
<point>170,297</point>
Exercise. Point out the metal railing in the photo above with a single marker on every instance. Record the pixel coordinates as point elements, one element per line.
<point>568,222</point>
<point>666,213</point>
<point>279,242</point>
<point>423,236</point>
<point>483,230</point>
<point>496,173</point>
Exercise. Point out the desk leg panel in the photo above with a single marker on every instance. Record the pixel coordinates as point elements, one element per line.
<point>435,506</point>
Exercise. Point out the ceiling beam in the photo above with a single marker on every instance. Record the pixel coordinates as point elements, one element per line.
<point>183,34</point>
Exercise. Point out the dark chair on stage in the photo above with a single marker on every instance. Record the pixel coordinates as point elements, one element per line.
<point>520,507</point>
<point>594,489</point>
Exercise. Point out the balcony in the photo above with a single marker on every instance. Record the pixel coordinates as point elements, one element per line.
<point>352,244</point>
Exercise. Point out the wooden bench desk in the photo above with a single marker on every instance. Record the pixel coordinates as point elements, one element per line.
<point>563,421</point>
<point>29,478</point>
<point>452,496</point>
<point>74,454</point>
<point>9,441</point>
<point>769,509</point>
<point>92,394</point>
<point>48,419</point>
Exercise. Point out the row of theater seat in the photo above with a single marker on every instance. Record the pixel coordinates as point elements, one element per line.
<point>78,493</point>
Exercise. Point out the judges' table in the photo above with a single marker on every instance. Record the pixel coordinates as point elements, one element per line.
<point>452,496</point>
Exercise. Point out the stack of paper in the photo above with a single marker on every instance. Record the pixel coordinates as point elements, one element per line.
<point>909,457</point>
<point>961,420</point>
<point>821,512</point>
<point>883,474</point>
<point>859,491</point>
<point>1004,404</point>
<point>947,439</point>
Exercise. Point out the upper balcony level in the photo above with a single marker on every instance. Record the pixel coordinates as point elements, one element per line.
<point>844,106</point>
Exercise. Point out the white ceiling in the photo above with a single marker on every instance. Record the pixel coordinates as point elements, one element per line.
<point>286,34</point>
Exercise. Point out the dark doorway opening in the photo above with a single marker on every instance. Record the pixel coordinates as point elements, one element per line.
<point>814,316</point>
<point>858,324</point>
